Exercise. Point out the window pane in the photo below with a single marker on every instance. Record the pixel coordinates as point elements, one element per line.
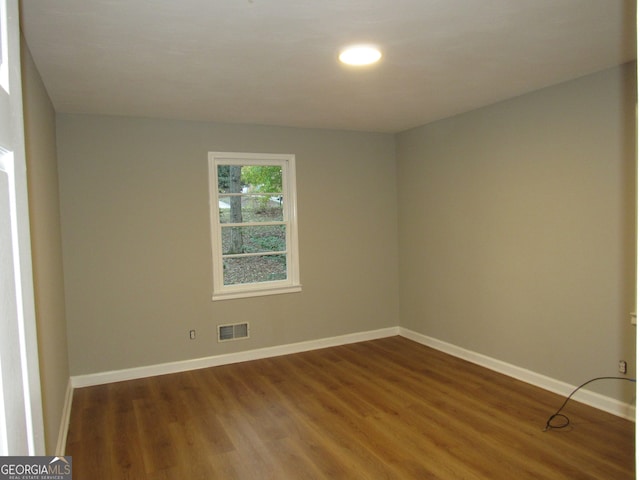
<point>250,179</point>
<point>250,208</point>
<point>270,238</point>
<point>265,268</point>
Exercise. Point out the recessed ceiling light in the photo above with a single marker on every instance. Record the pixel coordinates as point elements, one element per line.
<point>360,55</point>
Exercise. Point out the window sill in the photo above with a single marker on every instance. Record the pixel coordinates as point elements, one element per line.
<point>246,293</point>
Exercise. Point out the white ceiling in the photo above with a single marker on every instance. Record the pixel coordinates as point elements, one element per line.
<point>274,62</point>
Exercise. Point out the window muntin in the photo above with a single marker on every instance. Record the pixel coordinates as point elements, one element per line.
<point>254,224</point>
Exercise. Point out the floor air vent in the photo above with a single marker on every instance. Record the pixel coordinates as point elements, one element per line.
<point>233,332</point>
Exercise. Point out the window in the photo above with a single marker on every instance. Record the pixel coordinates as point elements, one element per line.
<point>254,231</point>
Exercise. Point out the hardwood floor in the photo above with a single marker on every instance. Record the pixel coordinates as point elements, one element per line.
<point>384,409</point>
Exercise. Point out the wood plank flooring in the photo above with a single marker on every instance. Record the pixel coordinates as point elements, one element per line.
<point>384,409</point>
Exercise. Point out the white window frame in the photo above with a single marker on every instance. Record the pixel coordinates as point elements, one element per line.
<point>290,218</point>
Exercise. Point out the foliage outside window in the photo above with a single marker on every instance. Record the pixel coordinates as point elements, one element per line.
<point>254,225</point>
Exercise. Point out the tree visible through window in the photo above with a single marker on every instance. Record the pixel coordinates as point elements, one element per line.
<point>254,224</point>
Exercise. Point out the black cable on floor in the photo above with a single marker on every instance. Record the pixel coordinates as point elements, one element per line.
<point>565,420</point>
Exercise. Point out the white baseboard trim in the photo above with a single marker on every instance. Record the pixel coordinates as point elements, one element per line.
<point>64,421</point>
<point>78,381</point>
<point>587,397</point>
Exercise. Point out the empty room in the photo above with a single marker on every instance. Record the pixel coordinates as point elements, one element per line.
<point>283,240</point>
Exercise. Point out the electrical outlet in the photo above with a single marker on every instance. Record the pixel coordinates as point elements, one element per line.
<point>192,334</point>
<point>622,366</point>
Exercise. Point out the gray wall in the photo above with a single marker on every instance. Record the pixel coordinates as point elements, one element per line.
<point>517,229</point>
<point>515,225</point>
<point>137,252</point>
<point>46,245</point>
